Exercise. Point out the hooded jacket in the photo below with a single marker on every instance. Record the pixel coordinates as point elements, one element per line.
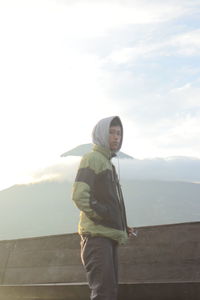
<point>97,192</point>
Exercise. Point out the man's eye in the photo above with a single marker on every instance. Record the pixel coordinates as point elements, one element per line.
<point>115,132</point>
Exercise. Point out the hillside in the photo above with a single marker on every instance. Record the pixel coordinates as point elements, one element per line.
<point>46,208</point>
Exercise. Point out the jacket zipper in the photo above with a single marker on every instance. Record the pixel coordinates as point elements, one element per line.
<point>120,200</point>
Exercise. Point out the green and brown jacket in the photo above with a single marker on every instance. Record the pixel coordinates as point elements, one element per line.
<point>97,193</point>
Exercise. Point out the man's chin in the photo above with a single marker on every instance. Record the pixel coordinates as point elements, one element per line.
<point>114,149</point>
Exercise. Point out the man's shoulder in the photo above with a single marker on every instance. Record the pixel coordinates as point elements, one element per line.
<point>94,155</point>
<point>94,160</point>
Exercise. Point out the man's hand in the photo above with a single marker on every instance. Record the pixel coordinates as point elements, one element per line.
<point>131,231</point>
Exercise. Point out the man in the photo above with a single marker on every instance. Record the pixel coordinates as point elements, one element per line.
<point>98,195</point>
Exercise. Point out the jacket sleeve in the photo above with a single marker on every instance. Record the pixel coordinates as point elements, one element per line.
<point>83,190</point>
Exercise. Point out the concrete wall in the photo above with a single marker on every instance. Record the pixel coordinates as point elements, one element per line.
<point>48,259</point>
<point>167,254</point>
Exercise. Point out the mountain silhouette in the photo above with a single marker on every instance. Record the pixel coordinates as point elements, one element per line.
<point>85,148</point>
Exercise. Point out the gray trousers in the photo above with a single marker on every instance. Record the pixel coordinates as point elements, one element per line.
<point>100,259</point>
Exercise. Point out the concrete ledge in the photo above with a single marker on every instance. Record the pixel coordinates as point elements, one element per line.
<point>137,291</point>
<point>162,263</point>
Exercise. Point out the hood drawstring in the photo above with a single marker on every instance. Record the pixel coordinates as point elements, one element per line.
<point>118,170</point>
<point>117,176</point>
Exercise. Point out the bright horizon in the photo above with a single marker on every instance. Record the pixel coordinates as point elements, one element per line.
<point>67,64</point>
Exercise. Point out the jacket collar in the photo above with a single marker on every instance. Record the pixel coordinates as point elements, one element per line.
<point>106,152</point>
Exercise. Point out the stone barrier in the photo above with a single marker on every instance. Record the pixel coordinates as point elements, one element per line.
<point>161,259</point>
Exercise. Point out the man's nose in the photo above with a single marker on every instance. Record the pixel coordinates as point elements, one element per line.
<point>116,136</point>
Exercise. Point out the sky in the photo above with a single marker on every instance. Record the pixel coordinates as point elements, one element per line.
<point>66,64</point>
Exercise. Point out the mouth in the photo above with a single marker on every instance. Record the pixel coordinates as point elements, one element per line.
<point>115,144</point>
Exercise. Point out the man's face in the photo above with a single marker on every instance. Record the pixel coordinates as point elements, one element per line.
<point>115,136</point>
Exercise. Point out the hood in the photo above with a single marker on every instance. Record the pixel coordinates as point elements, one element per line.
<point>100,134</point>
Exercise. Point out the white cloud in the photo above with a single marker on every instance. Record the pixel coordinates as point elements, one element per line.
<point>81,19</point>
<point>184,44</point>
<point>188,43</point>
<point>187,96</point>
<point>117,13</point>
<point>63,169</point>
<point>168,169</point>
